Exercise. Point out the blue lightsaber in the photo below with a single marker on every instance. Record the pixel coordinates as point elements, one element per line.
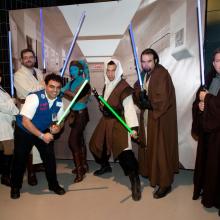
<point>199,17</point>
<point>135,56</point>
<point>11,65</point>
<point>42,39</point>
<point>73,43</point>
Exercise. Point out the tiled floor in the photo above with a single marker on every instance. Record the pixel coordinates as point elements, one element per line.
<point>102,198</point>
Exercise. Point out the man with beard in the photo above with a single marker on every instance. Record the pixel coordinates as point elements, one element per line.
<point>109,135</point>
<point>28,79</point>
<point>158,125</point>
<point>206,129</point>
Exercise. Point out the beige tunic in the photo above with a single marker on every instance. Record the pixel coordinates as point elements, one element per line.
<point>25,82</point>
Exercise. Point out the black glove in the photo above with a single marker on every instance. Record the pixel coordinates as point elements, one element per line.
<point>144,100</point>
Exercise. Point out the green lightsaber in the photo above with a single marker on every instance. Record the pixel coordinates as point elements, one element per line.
<point>66,112</point>
<point>112,110</point>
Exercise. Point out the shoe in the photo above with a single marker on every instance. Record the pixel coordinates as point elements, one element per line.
<point>15,193</point>
<point>102,170</point>
<point>162,192</point>
<point>196,196</point>
<point>219,212</point>
<point>5,180</point>
<point>58,190</point>
<point>32,179</point>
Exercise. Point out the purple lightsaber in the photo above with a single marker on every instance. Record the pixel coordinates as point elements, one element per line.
<point>11,65</point>
<point>73,43</point>
<point>135,56</point>
<point>42,40</point>
<point>201,52</point>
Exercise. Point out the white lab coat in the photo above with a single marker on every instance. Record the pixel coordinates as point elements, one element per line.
<point>8,110</point>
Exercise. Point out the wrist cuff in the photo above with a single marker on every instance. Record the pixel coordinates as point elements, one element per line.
<point>41,136</point>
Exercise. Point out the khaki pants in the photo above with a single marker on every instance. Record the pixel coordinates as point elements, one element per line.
<point>7,147</point>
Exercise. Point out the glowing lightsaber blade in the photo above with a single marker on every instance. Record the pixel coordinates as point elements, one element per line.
<point>42,39</point>
<point>112,111</point>
<point>11,65</point>
<point>201,41</point>
<point>73,43</point>
<point>135,56</point>
<point>66,112</point>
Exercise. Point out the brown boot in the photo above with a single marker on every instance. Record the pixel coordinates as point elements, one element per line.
<point>80,172</point>
<point>84,161</point>
<point>32,179</point>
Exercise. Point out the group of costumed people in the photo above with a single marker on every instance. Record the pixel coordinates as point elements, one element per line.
<point>158,158</point>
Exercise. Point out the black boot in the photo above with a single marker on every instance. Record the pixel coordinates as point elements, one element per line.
<point>15,193</point>
<point>162,192</point>
<point>5,178</point>
<point>135,186</point>
<point>1,161</point>
<point>32,179</point>
<point>105,168</point>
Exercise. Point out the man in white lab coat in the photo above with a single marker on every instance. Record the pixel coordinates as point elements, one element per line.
<point>7,112</point>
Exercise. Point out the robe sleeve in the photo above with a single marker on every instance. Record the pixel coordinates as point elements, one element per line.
<point>136,93</point>
<point>211,114</point>
<point>161,94</point>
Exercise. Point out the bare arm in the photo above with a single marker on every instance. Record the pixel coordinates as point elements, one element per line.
<point>46,137</point>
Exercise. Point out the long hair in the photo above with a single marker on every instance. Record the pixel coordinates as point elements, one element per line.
<point>153,52</point>
<point>212,73</point>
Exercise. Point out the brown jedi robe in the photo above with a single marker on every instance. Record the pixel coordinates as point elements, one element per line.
<point>159,161</point>
<point>109,128</point>
<point>206,128</point>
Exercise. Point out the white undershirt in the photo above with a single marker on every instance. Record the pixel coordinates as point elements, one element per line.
<point>31,104</point>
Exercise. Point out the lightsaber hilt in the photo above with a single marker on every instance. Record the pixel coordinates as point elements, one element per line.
<point>96,95</point>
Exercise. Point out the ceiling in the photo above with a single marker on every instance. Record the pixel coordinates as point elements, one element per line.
<point>104,25</point>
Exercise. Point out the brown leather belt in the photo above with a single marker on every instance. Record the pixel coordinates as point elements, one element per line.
<point>22,101</point>
<point>80,111</point>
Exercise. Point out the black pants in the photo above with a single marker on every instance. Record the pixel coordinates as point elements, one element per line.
<point>23,146</point>
<point>128,162</point>
<point>126,159</point>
